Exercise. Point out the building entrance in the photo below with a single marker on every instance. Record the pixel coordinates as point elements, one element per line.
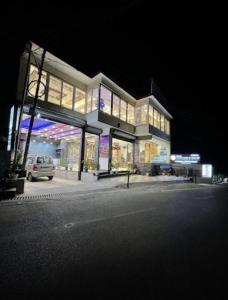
<point>122,154</point>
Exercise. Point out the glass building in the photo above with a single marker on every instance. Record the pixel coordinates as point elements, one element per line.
<point>82,121</point>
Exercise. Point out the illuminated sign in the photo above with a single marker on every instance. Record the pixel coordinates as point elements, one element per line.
<point>185,158</point>
<point>207,171</point>
<point>104,146</point>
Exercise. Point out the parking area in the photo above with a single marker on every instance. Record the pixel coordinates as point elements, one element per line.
<point>44,186</point>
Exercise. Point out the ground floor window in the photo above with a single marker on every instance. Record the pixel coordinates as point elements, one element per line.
<point>91,151</point>
<point>59,141</point>
<point>154,150</point>
<point>122,154</point>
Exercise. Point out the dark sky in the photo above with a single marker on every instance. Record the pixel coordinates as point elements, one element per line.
<point>180,46</point>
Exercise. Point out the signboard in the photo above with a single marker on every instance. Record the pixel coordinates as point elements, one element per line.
<point>104,146</point>
<point>207,171</point>
<point>185,158</point>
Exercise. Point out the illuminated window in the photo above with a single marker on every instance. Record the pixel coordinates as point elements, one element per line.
<point>54,91</point>
<point>167,127</point>
<point>123,110</point>
<point>33,77</point>
<point>150,115</point>
<point>89,102</point>
<point>159,120</point>
<point>67,95</point>
<point>130,114</point>
<point>105,100</point>
<point>154,150</point>
<point>116,106</point>
<point>142,114</point>
<point>162,123</point>
<point>155,118</point>
<point>95,98</point>
<point>122,154</point>
<point>80,100</point>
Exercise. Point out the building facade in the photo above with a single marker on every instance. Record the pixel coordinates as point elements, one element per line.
<point>89,122</point>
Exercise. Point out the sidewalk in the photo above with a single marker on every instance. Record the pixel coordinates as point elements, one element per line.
<point>62,186</point>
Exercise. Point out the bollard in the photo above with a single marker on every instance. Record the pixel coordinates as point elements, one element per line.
<point>128,177</point>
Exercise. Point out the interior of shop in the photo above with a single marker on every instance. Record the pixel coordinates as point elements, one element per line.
<point>122,154</point>
<point>62,142</point>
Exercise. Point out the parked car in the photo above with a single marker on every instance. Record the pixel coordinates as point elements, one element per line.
<point>40,166</point>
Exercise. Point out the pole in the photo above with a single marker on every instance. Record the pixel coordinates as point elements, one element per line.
<point>33,110</point>
<point>28,47</point>
<point>128,178</point>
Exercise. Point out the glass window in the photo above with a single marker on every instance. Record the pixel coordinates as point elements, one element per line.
<point>89,102</point>
<point>150,115</point>
<point>33,77</point>
<point>105,100</point>
<point>167,126</point>
<point>154,151</point>
<point>130,114</point>
<point>91,151</point>
<point>79,101</point>
<point>67,95</point>
<point>159,120</point>
<point>122,154</point>
<point>116,106</point>
<point>144,112</point>
<point>155,118</point>
<point>95,99</point>
<point>123,110</point>
<point>162,123</point>
<point>54,91</point>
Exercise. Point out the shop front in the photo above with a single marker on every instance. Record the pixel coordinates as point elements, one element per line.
<point>122,154</point>
<point>61,142</point>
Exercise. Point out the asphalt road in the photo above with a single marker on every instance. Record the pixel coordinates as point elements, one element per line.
<point>142,243</point>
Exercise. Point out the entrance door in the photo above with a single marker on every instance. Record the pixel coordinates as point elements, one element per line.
<point>122,154</point>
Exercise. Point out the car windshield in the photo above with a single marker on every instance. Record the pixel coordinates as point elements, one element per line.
<point>48,160</point>
<point>40,160</point>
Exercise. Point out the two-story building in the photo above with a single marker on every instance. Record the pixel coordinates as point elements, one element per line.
<point>89,121</point>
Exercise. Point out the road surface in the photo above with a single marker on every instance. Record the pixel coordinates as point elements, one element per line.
<point>142,243</point>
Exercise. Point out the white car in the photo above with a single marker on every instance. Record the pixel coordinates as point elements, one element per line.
<point>40,166</point>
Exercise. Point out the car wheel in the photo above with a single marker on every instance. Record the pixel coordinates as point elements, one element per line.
<point>50,177</point>
<point>30,178</point>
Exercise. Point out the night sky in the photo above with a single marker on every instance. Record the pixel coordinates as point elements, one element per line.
<point>180,46</point>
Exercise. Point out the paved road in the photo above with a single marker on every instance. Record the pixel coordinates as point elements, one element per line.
<point>144,243</point>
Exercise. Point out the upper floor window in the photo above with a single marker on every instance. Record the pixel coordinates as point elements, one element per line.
<point>167,126</point>
<point>123,110</point>
<point>95,98</point>
<point>33,78</point>
<point>155,118</point>
<point>159,120</point>
<point>89,101</point>
<point>54,91</point>
<point>151,115</point>
<point>79,101</point>
<point>105,100</point>
<point>67,95</point>
<point>130,114</point>
<point>162,123</point>
<point>116,106</point>
<point>142,114</point>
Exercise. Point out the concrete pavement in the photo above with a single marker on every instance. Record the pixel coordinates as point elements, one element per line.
<point>59,185</point>
<point>120,244</point>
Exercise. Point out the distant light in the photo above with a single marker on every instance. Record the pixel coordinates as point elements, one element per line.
<point>173,157</point>
<point>38,115</point>
<point>207,171</point>
<point>34,141</point>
